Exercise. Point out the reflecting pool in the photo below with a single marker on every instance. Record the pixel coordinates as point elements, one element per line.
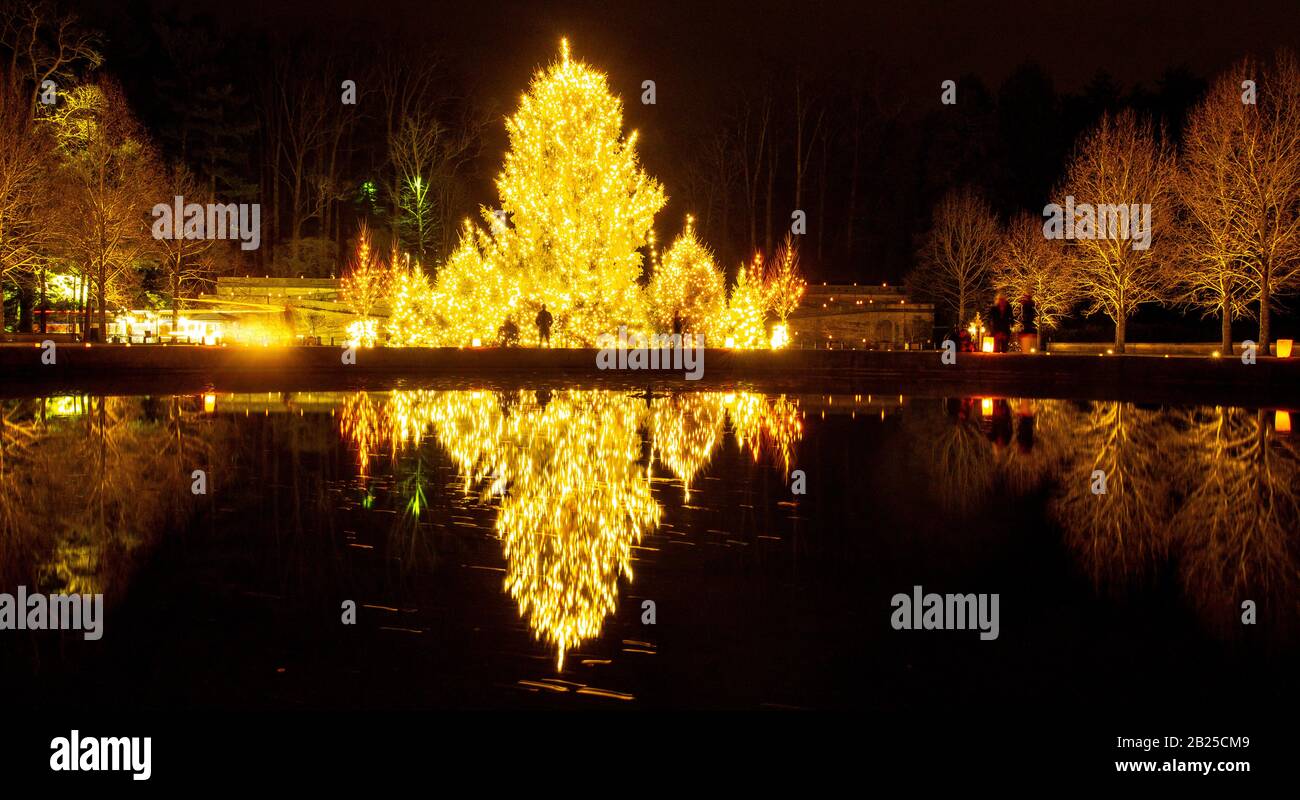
<point>576,547</point>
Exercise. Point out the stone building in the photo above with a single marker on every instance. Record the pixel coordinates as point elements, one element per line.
<point>861,317</point>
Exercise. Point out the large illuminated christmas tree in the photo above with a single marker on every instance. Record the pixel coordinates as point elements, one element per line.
<point>580,206</point>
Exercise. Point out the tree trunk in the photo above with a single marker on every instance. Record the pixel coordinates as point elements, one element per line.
<point>853,188</point>
<point>1264,301</point>
<point>821,202</point>
<point>26,300</point>
<point>1120,325</point>
<point>45,301</point>
<point>85,309</point>
<point>103,307</point>
<point>771,174</point>
<point>1225,340</point>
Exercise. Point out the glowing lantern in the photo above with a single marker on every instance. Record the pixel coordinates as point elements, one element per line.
<point>209,403</point>
<point>1284,348</point>
<point>988,344</point>
<point>780,336</point>
<point>477,342</point>
<point>1282,421</point>
<point>731,342</point>
<point>986,406</point>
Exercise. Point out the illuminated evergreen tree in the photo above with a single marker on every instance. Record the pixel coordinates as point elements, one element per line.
<point>366,281</point>
<point>688,284</point>
<point>475,292</point>
<point>580,205</point>
<point>747,308</point>
<point>410,303</point>
<point>782,281</point>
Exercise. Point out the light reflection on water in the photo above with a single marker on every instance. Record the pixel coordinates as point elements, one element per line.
<point>570,476</point>
<point>565,480</point>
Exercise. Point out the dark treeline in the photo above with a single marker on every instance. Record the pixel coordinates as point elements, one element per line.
<point>250,101</point>
<point>258,113</point>
<point>263,115</point>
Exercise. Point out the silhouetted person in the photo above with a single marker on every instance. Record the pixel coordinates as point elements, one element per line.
<point>1028,324</point>
<point>1000,319</point>
<point>543,326</point>
<point>1000,424</point>
<point>508,333</point>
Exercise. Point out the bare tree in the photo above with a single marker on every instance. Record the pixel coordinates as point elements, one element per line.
<point>45,44</point>
<point>1268,208</point>
<point>1029,264</point>
<point>303,108</point>
<point>956,255</point>
<point>187,264</point>
<point>803,144</point>
<point>753,137</point>
<point>1210,273</point>
<point>426,153</point>
<point>1120,163</point>
<point>108,186</point>
<point>24,184</point>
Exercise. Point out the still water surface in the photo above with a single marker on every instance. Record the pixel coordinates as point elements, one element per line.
<point>508,547</point>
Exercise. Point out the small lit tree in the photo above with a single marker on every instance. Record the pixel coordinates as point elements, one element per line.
<point>688,284</point>
<point>366,281</point>
<point>475,292</point>
<point>783,282</point>
<point>747,308</point>
<point>410,303</point>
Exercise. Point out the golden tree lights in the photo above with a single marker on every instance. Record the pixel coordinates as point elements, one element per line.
<point>410,307</point>
<point>365,283</point>
<point>580,205</point>
<point>747,308</point>
<point>783,282</point>
<point>685,429</point>
<point>688,286</point>
<point>568,474</point>
<point>475,292</point>
<point>576,210</point>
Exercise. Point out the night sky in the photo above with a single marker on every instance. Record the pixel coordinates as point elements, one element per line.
<point>705,57</point>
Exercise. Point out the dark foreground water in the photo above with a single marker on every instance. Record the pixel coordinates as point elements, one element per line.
<point>595,548</point>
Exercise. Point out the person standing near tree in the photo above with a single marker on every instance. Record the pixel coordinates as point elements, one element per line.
<point>1028,324</point>
<point>1000,319</point>
<point>544,327</point>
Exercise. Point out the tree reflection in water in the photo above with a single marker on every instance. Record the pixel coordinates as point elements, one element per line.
<point>570,477</point>
<point>87,481</point>
<point>1214,491</point>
